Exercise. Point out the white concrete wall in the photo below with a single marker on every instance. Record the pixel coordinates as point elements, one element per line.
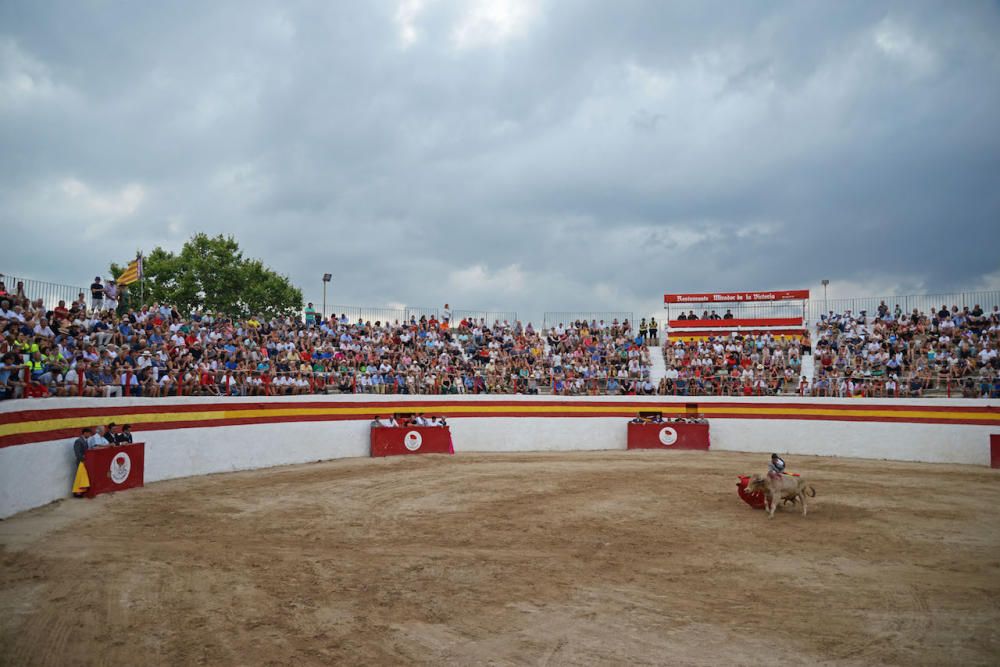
<point>929,443</point>
<point>35,474</point>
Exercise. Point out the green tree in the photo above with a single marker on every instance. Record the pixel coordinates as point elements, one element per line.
<point>211,274</point>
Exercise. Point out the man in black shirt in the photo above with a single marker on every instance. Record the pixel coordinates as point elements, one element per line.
<point>125,437</point>
<point>97,293</point>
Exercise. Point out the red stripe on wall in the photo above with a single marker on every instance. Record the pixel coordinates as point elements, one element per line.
<point>57,434</point>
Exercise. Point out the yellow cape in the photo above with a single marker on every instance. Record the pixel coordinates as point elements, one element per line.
<point>81,484</point>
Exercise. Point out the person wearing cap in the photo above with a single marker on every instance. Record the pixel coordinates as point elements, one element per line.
<point>97,294</point>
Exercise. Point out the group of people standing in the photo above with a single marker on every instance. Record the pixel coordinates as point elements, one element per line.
<point>92,438</point>
<point>418,419</point>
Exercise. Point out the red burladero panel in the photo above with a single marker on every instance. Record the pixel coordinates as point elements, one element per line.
<point>393,441</point>
<point>115,468</point>
<point>673,435</point>
<point>995,451</point>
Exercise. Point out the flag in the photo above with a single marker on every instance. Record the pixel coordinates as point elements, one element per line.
<point>133,273</point>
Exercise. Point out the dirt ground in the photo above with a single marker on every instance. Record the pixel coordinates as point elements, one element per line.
<point>579,558</point>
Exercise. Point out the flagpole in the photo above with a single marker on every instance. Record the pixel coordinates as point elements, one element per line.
<point>142,283</point>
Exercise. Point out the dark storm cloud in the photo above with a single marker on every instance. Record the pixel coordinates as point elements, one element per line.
<point>513,154</point>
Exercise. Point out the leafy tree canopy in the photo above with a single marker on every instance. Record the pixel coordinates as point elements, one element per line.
<point>211,274</point>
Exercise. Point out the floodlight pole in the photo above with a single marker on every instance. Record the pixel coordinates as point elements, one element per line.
<point>326,278</point>
<point>825,282</point>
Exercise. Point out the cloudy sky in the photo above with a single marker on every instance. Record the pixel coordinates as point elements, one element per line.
<point>510,154</point>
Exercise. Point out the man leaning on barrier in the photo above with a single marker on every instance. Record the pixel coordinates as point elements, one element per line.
<point>81,481</point>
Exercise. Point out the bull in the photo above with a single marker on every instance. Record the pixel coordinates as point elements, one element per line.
<point>787,488</point>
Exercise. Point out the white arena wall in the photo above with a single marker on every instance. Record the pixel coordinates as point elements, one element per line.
<point>36,473</point>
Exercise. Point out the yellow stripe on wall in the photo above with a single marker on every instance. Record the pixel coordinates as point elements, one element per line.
<point>452,409</point>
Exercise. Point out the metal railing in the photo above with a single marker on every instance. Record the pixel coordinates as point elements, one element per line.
<point>50,293</point>
<point>551,319</point>
<point>393,315</point>
<point>384,315</point>
<point>487,316</point>
<point>927,303</point>
<point>739,310</point>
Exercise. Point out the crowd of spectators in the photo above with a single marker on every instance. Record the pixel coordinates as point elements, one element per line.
<point>98,350</point>
<point>892,353</point>
<point>600,358</point>
<point>737,365</point>
<point>102,349</point>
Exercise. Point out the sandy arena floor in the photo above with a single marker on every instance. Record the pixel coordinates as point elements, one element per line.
<point>582,558</point>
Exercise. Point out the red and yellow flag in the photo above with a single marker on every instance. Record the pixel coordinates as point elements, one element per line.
<point>133,273</point>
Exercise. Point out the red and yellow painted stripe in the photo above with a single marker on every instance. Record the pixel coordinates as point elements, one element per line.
<point>39,425</point>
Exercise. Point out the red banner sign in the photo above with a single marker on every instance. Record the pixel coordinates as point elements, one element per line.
<point>672,435</point>
<point>734,297</point>
<point>392,441</point>
<point>115,468</point>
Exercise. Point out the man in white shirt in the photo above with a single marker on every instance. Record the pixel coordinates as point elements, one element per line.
<point>111,295</point>
<point>8,312</point>
<point>71,381</point>
<point>98,439</point>
<point>986,354</point>
<point>43,329</point>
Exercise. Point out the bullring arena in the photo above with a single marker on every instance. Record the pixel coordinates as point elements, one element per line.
<point>542,540</point>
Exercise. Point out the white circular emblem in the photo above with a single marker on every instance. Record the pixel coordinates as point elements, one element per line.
<point>121,466</point>
<point>412,440</point>
<point>668,435</point>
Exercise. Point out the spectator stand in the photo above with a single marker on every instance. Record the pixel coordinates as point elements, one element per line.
<point>779,313</point>
<point>21,291</point>
<point>735,343</point>
<point>892,353</point>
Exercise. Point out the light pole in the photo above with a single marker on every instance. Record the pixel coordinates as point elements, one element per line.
<point>825,282</point>
<point>327,277</point>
